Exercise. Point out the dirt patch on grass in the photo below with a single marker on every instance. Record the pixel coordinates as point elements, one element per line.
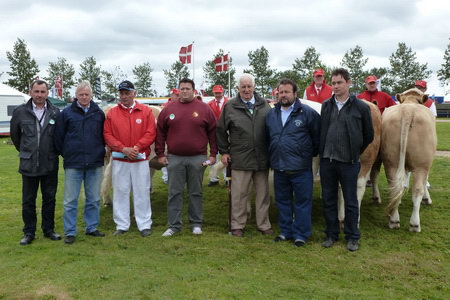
<point>443,153</point>
<point>47,292</point>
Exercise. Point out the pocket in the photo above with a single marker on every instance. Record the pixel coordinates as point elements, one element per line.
<point>25,154</point>
<point>29,128</point>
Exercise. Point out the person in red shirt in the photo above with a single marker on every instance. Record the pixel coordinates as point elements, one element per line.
<point>372,94</point>
<point>187,126</point>
<point>216,105</point>
<point>129,130</point>
<point>422,86</point>
<point>318,90</point>
<point>174,95</point>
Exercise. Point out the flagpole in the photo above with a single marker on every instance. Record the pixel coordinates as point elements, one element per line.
<point>229,76</point>
<point>193,64</point>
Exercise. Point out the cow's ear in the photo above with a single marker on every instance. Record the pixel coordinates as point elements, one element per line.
<point>399,98</point>
<point>424,98</point>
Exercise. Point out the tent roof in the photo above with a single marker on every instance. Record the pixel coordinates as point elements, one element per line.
<point>6,90</point>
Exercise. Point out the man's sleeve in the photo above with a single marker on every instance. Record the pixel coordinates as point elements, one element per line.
<point>212,132</point>
<point>314,131</point>
<point>15,130</point>
<point>160,144</point>
<point>60,132</point>
<point>223,144</point>
<point>367,128</point>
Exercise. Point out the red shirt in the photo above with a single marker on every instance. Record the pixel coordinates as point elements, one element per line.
<point>216,108</point>
<point>325,93</point>
<point>380,99</point>
<point>186,128</point>
<point>125,129</point>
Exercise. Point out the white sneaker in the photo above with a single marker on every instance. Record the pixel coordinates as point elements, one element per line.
<point>197,230</point>
<point>168,232</point>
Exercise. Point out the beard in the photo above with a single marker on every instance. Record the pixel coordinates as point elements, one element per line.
<point>286,102</point>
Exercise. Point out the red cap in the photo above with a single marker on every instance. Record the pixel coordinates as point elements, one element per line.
<point>421,83</point>
<point>371,78</point>
<point>175,91</point>
<point>319,72</point>
<point>218,89</point>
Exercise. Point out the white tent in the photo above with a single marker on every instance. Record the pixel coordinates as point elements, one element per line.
<point>10,98</point>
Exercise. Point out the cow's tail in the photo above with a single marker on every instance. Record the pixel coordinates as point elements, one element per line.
<point>398,189</point>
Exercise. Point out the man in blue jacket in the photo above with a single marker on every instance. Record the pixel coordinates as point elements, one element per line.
<point>293,130</point>
<point>79,140</point>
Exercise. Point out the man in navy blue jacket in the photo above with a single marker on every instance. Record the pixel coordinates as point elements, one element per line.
<point>293,130</point>
<point>79,140</point>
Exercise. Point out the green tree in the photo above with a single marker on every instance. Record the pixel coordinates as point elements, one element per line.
<point>444,71</point>
<point>61,68</point>
<point>90,71</point>
<point>110,80</point>
<point>260,69</point>
<point>354,61</point>
<point>305,66</point>
<point>143,80</point>
<point>176,72</point>
<point>23,68</point>
<point>405,69</point>
<point>212,77</point>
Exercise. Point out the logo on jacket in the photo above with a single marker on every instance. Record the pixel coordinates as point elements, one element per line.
<point>195,114</point>
<point>298,123</point>
<point>51,122</point>
<point>138,121</point>
<point>172,116</point>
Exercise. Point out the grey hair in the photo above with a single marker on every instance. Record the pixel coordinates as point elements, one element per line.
<point>84,84</point>
<point>249,77</point>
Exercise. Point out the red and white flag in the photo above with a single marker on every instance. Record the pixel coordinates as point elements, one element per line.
<point>221,63</point>
<point>58,86</point>
<point>186,54</point>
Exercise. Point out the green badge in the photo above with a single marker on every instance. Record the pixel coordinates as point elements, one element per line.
<point>172,116</point>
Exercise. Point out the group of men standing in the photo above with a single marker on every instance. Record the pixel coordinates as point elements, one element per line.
<point>250,136</point>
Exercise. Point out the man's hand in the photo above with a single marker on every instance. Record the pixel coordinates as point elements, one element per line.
<point>226,159</point>
<point>131,153</point>
<point>163,160</point>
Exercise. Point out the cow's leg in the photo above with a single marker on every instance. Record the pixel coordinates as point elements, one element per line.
<point>374,174</point>
<point>361,188</point>
<point>394,217</point>
<point>341,208</point>
<point>420,181</point>
<point>426,196</point>
<point>106,185</point>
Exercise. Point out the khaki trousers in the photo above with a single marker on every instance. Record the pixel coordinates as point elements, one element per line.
<point>241,190</point>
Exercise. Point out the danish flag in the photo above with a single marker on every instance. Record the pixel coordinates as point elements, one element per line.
<point>221,63</point>
<point>185,54</point>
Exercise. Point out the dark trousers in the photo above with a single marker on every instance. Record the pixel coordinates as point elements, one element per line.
<point>331,174</point>
<point>30,185</point>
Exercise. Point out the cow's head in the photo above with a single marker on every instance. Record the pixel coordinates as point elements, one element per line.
<point>413,95</point>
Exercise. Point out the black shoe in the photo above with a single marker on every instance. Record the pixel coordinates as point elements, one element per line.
<point>353,245</point>
<point>280,238</point>
<point>213,183</point>
<point>96,233</point>
<point>52,235</point>
<point>119,232</point>
<point>299,243</point>
<point>146,232</point>
<point>27,239</point>
<point>328,242</point>
<point>69,239</point>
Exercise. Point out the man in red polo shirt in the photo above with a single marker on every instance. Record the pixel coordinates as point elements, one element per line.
<point>422,85</point>
<point>372,94</point>
<point>318,90</point>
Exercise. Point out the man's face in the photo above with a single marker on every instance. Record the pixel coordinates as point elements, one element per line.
<point>84,96</point>
<point>340,86</point>
<point>423,90</point>
<point>246,89</point>
<point>371,86</point>
<point>39,93</point>
<point>286,95</point>
<point>186,92</point>
<point>127,97</point>
<point>318,80</point>
<point>218,95</point>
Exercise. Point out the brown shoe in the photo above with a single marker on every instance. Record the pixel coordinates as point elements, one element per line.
<point>267,232</point>
<point>237,232</point>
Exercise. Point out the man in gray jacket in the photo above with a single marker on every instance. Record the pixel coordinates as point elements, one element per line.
<point>32,127</point>
<point>241,139</point>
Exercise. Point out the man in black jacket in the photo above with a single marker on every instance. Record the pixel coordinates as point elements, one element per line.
<point>346,131</point>
<point>32,127</point>
<point>79,139</point>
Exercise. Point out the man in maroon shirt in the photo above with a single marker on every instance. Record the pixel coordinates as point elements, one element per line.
<point>186,126</point>
<point>372,94</point>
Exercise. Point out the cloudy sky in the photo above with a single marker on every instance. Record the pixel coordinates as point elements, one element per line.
<point>129,32</point>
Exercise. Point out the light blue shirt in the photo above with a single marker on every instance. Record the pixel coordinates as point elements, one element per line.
<point>340,105</point>
<point>286,113</point>
<point>86,109</point>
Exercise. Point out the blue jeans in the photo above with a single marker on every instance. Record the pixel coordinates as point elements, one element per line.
<point>293,195</point>
<point>92,178</point>
<point>331,174</point>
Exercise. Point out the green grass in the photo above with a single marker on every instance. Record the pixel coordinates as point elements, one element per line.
<point>443,133</point>
<point>394,264</point>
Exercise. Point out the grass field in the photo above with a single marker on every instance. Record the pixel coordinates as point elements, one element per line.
<point>393,264</point>
<point>443,132</point>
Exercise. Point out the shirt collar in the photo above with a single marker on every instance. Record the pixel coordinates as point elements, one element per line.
<point>35,106</point>
<point>252,101</point>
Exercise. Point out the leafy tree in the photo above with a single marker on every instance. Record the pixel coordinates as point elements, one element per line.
<point>305,66</point>
<point>212,77</point>
<point>61,68</point>
<point>110,81</point>
<point>176,72</point>
<point>405,69</point>
<point>354,61</point>
<point>143,80</point>
<point>23,68</point>
<point>260,69</point>
<point>90,72</point>
<point>444,72</point>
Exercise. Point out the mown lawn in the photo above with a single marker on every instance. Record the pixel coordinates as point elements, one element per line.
<point>443,132</point>
<point>395,264</point>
